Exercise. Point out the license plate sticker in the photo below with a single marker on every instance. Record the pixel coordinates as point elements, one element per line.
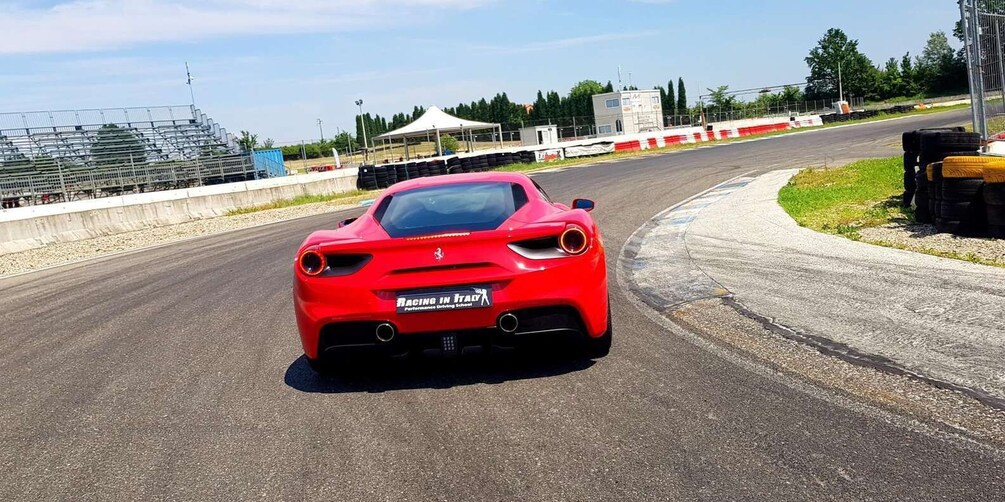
<point>472,297</point>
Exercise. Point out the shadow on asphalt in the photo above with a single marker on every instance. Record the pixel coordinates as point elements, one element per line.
<point>386,375</point>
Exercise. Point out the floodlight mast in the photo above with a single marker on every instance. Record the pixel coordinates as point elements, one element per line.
<point>359,102</point>
<point>188,81</point>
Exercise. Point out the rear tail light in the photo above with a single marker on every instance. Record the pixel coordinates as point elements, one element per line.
<point>573,240</point>
<point>311,263</point>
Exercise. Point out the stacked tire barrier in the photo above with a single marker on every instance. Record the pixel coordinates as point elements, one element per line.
<point>373,177</point>
<point>867,114</point>
<point>994,199</point>
<point>925,147</point>
<point>959,191</point>
<point>961,209</point>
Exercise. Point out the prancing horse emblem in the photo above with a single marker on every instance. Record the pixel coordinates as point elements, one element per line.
<point>438,254</point>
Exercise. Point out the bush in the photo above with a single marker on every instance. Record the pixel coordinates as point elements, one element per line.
<point>448,142</point>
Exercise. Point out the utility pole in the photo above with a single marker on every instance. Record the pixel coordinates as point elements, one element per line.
<point>191,92</point>
<point>321,129</point>
<point>359,103</point>
<point>840,87</point>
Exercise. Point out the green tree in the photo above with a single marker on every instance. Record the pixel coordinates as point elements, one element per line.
<point>940,67</point>
<point>268,144</point>
<point>891,80</point>
<point>681,97</point>
<point>580,101</point>
<point>247,141</point>
<point>115,146</point>
<point>910,77</point>
<point>720,97</point>
<point>670,108</point>
<point>857,72</point>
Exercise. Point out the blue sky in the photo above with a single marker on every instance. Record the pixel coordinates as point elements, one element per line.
<point>275,66</point>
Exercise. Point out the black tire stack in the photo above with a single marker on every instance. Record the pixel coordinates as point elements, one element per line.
<point>933,145</point>
<point>385,176</point>
<point>366,179</point>
<point>933,172</point>
<point>994,199</point>
<point>961,209</point>
<point>453,165</point>
<point>382,176</point>
<point>401,172</point>
<point>412,169</point>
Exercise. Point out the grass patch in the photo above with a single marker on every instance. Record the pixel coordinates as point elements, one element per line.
<point>846,199</point>
<point>344,198</point>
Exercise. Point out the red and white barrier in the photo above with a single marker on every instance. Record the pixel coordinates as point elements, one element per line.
<point>719,131</point>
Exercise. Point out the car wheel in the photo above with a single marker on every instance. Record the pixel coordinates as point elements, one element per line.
<point>595,348</point>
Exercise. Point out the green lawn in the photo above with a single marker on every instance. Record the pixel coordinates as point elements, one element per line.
<point>845,199</point>
<point>351,197</point>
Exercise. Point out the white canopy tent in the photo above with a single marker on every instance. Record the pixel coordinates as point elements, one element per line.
<point>436,121</point>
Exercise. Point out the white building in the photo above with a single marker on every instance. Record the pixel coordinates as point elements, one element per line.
<point>539,135</point>
<point>627,112</point>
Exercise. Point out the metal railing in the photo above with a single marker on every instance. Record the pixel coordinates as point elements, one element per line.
<point>983,27</point>
<point>67,155</point>
<point>58,183</point>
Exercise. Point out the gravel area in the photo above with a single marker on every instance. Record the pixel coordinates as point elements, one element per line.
<point>68,252</point>
<point>924,239</point>
<point>901,394</point>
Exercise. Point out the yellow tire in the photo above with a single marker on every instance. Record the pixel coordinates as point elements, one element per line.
<point>970,167</point>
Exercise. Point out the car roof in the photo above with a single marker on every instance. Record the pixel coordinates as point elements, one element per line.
<point>453,179</point>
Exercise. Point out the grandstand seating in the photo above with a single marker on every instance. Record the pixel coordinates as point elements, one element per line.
<point>65,155</point>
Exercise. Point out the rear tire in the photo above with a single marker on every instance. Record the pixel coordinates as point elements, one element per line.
<point>595,348</point>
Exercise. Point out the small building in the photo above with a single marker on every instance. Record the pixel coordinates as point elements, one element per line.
<point>627,112</point>
<point>539,135</point>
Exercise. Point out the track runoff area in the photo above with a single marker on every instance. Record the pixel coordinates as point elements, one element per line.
<point>177,371</point>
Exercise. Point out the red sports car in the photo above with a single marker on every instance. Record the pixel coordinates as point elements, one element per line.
<point>454,264</point>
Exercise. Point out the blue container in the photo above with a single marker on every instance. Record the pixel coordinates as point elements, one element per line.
<point>271,162</point>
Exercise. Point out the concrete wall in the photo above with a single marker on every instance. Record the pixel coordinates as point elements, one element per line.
<point>36,226</point>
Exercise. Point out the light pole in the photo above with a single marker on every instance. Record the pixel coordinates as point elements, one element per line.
<point>840,86</point>
<point>321,129</point>
<point>191,92</point>
<point>359,103</point>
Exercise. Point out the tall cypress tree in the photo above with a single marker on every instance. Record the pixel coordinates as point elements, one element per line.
<point>671,105</point>
<point>681,96</point>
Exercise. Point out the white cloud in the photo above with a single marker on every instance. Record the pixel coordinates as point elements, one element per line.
<point>565,43</point>
<point>93,25</point>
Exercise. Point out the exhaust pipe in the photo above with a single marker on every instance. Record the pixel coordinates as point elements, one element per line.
<point>508,323</point>
<point>385,332</point>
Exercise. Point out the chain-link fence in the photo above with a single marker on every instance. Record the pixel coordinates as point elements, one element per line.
<point>983,28</point>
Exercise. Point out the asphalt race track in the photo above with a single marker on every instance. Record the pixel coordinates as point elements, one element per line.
<point>175,373</point>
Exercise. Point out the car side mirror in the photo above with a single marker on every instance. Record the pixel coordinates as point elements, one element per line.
<point>584,204</point>
<point>345,222</point>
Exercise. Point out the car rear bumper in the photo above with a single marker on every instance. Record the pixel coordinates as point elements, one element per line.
<point>566,299</point>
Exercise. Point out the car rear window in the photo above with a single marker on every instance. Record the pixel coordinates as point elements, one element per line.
<point>460,207</point>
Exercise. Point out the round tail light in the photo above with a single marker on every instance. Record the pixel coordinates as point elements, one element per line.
<point>312,263</point>
<point>573,240</point>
